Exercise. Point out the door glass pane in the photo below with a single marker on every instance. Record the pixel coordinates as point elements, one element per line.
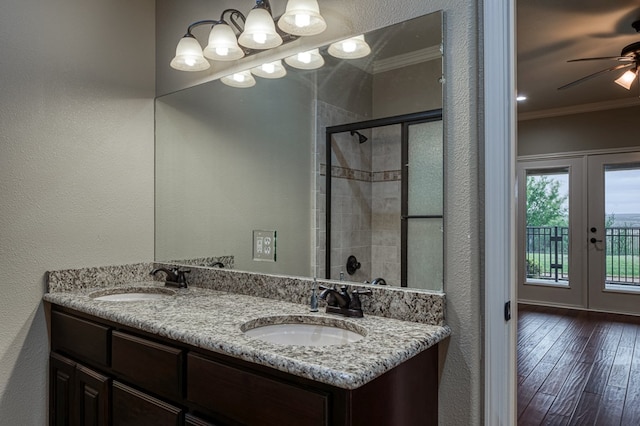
<point>547,235</point>
<point>622,226</point>
<point>425,169</point>
<point>424,254</point>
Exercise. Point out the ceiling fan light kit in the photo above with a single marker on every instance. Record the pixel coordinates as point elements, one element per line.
<point>629,59</point>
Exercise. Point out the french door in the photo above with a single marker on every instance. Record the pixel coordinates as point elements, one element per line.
<point>613,241</point>
<point>579,232</point>
<point>551,255</point>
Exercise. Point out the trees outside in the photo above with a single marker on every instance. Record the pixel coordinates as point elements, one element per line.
<point>546,205</point>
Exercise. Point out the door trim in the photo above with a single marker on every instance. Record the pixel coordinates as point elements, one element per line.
<point>499,157</point>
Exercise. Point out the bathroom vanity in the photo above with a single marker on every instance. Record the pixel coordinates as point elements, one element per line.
<point>183,359</point>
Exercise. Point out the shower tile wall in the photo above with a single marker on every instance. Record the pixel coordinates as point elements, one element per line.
<point>366,199</point>
<point>351,196</point>
<point>386,195</point>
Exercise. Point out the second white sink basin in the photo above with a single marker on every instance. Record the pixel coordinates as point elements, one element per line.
<point>303,334</point>
<point>134,294</point>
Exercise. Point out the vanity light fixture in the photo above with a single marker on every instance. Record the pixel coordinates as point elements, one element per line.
<point>351,48</point>
<point>189,55</point>
<point>302,18</point>
<point>259,29</point>
<point>626,79</point>
<point>309,60</point>
<point>273,69</point>
<point>223,45</point>
<point>241,79</point>
<point>234,35</point>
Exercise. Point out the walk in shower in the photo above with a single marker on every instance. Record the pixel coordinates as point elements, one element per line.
<point>384,200</point>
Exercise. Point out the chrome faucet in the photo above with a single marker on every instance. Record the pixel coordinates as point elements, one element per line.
<point>339,301</point>
<point>175,276</point>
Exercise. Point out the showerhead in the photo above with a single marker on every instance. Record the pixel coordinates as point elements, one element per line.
<point>361,138</point>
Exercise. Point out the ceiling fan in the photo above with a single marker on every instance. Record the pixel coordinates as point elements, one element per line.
<point>629,59</point>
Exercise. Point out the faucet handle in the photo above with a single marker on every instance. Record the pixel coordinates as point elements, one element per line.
<point>355,298</point>
<point>181,278</point>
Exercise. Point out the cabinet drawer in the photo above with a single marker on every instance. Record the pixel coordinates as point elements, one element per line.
<point>150,365</point>
<point>252,399</point>
<point>85,339</point>
<point>134,408</point>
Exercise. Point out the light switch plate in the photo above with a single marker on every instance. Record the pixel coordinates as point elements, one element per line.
<point>264,246</point>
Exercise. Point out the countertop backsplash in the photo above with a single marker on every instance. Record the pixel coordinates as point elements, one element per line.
<point>386,301</point>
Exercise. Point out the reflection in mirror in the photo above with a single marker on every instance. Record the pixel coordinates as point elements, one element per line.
<point>233,161</point>
<point>382,216</point>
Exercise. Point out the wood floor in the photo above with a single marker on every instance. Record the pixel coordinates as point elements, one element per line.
<point>577,368</point>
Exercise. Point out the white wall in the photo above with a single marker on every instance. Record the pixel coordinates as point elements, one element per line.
<point>462,379</point>
<point>76,165</point>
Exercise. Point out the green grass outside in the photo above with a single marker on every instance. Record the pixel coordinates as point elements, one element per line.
<point>617,266</point>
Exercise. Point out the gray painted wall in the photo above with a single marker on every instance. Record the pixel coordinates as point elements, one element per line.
<point>461,384</point>
<point>409,89</point>
<point>226,168</point>
<point>614,128</point>
<point>76,165</point>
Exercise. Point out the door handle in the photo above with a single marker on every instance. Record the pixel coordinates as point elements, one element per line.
<point>593,240</point>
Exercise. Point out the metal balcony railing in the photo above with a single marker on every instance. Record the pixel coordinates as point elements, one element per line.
<point>547,254</point>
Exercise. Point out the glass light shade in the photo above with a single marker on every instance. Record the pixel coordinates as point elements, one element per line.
<point>351,48</point>
<point>302,18</point>
<point>270,70</point>
<point>309,60</point>
<point>223,45</point>
<point>241,79</point>
<point>260,31</point>
<point>626,80</point>
<point>189,56</point>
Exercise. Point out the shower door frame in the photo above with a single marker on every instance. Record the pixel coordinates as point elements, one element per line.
<point>404,120</point>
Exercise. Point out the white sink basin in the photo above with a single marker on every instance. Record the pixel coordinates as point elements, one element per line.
<point>303,334</point>
<point>132,294</point>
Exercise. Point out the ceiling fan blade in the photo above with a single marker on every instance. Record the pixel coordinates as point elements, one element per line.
<point>595,74</point>
<point>613,58</point>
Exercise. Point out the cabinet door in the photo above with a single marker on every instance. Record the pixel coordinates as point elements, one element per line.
<point>152,366</point>
<point>86,340</point>
<point>251,399</point>
<point>134,408</point>
<point>93,397</point>
<point>61,390</point>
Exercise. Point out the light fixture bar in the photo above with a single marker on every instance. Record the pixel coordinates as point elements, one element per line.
<point>235,35</point>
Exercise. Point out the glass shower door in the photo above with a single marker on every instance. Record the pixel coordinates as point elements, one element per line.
<point>422,206</point>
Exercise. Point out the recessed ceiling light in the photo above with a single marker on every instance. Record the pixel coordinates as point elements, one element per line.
<point>521,98</point>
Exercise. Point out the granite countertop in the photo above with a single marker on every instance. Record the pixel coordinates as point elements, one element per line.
<point>212,320</point>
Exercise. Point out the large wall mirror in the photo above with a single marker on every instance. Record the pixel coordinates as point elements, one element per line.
<point>241,174</point>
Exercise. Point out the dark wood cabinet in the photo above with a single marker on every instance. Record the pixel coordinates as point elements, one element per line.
<point>62,372</point>
<point>77,394</point>
<point>85,340</point>
<point>102,373</point>
<point>252,399</point>
<point>153,366</point>
<point>92,392</point>
<point>134,408</point>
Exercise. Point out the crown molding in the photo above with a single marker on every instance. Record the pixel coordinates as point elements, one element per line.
<point>579,109</point>
<point>406,59</point>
